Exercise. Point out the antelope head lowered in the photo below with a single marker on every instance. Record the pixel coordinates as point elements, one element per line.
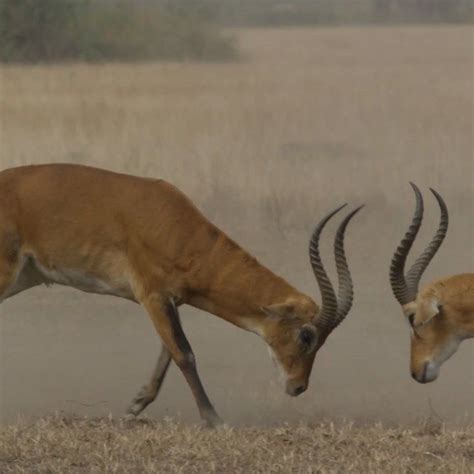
<point>296,329</point>
<point>441,315</point>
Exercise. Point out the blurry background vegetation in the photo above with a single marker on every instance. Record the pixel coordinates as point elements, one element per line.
<point>96,30</point>
<point>344,12</point>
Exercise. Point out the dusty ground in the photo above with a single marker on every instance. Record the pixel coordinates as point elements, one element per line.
<point>77,445</point>
<point>310,119</point>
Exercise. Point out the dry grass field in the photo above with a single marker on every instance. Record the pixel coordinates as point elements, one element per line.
<point>60,444</point>
<point>308,119</point>
<point>312,106</point>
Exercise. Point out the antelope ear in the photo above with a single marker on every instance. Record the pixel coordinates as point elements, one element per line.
<point>279,310</point>
<point>427,310</point>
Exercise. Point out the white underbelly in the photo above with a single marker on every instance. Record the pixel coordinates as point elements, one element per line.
<point>85,282</point>
<point>32,273</point>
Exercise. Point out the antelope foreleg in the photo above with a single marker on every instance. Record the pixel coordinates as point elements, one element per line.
<point>165,317</point>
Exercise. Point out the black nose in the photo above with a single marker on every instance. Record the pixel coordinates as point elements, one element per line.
<point>423,378</point>
<point>299,389</point>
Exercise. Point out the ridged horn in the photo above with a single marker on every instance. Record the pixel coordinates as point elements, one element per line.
<point>332,312</point>
<point>345,292</point>
<point>397,268</point>
<point>328,296</point>
<point>416,271</point>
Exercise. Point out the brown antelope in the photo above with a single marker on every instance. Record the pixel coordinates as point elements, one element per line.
<point>143,240</point>
<point>441,315</point>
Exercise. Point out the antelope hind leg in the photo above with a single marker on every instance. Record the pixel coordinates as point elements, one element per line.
<point>149,392</point>
<point>10,266</point>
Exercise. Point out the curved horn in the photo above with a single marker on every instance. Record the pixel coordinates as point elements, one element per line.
<point>397,279</point>
<point>416,271</point>
<point>345,292</point>
<point>329,302</point>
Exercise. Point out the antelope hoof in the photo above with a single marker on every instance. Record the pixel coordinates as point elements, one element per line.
<point>129,417</point>
<point>140,402</point>
<point>213,422</point>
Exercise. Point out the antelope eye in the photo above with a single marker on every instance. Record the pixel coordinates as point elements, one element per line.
<point>307,337</point>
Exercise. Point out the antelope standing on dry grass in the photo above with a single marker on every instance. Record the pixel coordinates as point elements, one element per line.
<point>441,315</point>
<point>142,239</point>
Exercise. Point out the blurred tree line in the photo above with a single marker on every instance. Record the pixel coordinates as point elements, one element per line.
<point>88,30</point>
<point>457,11</point>
<point>95,30</point>
<point>332,12</point>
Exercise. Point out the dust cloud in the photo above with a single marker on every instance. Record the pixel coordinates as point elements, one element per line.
<point>309,120</point>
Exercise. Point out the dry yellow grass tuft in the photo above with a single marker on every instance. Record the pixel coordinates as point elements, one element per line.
<point>60,444</point>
